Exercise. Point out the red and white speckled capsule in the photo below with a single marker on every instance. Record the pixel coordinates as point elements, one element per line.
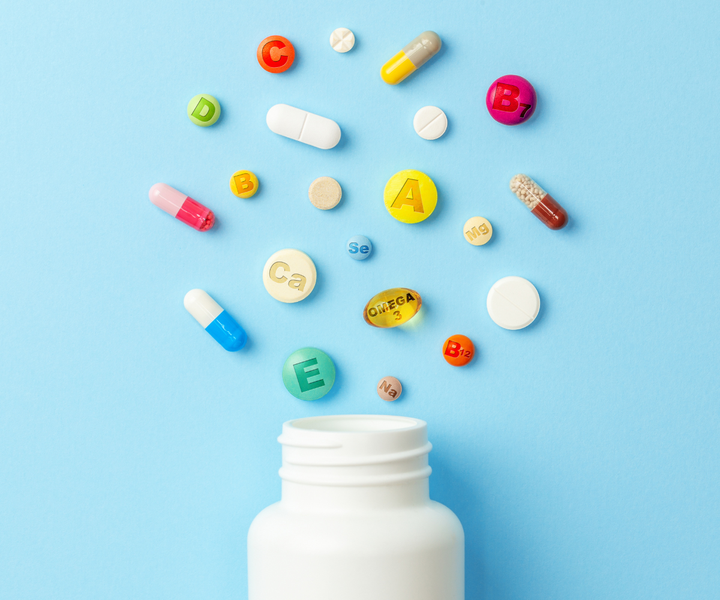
<point>542,204</point>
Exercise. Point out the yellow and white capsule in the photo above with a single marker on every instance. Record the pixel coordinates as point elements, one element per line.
<point>411,57</point>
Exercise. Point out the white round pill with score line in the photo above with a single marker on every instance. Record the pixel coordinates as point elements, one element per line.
<point>513,302</point>
<point>430,122</point>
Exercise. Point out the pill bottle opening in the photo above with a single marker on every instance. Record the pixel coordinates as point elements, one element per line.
<point>356,423</point>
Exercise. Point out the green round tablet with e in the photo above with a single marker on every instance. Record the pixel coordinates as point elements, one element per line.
<point>203,110</point>
<point>308,374</point>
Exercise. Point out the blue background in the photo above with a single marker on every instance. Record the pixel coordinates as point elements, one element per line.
<point>581,454</point>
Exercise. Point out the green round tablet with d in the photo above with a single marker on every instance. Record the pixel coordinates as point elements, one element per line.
<point>203,110</point>
<point>308,374</point>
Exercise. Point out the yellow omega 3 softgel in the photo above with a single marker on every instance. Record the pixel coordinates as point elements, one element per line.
<point>411,57</point>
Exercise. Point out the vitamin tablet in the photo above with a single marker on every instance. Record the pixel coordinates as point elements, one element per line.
<point>342,40</point>
<point>542,204</point>
<point>308,374</point>
<point>303,126</point>
<point>325,193</point>
<point>392,307</point>
<point>477,231</point>
<point>289,275</point>
<point>181,207</point>
<point>215,320</point>
<point>411,57</point>
<point>410,196</point>
<point>511,100</point>
<point>458,350</point>
<point>430,123</point>
<point>513,302</point>
<point>389,389</point>
<point>359,247</point>
<point>275,54</point>
<point>244,184</point>
<point>203,110</point>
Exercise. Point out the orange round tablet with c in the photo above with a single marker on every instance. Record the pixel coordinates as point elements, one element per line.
<point>275,54</point>
<point>458,350</point>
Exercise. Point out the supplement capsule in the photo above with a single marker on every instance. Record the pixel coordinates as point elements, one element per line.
<point>215,320</point>
<point>181,207</point>
<point>411,57</point>
<point>392,307</point>
<point>542,204</point>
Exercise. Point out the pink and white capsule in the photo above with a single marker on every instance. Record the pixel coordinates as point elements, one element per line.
<point>181,207</point>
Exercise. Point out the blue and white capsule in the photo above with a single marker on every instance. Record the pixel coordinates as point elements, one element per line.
<point>215,320</point>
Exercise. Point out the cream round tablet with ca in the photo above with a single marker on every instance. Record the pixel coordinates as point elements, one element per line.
<point>513,302</point>
<point>289,275</point>
<point>430,123</point>
<point>325,193</point>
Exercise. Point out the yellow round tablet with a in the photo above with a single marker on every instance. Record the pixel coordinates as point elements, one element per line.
<point>477,231</point>
<point>244,184</point>
<point>410,196</point>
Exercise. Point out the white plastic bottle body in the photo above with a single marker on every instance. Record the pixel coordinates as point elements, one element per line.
<point>356,521</point>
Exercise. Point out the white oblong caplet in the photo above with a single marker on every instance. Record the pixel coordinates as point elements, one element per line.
<point>202,307</point>
<point>303,126</point>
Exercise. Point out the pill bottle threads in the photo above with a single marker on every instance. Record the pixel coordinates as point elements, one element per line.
<point>355,504</point>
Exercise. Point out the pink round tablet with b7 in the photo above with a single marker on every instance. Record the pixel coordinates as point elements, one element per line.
<point>511,100</point>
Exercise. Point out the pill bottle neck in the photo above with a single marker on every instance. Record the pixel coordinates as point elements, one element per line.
<point>315,498</point>
<point>354,462</point>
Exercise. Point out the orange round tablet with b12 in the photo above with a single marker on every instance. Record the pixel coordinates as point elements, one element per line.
<point>458,350</point>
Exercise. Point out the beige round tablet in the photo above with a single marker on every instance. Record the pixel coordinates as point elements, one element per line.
<point>289,275</point>
<point>342,40</point>
<point>430,123</point>
<point>389,389</point>
<point>477,231</point>
<point>325,193</point>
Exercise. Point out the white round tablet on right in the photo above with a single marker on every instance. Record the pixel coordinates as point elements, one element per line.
<point>430,123</point>
<point>513,302</point>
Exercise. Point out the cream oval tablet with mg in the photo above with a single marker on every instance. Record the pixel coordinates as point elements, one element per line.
<point>303,126</point>
<point>513,303</point>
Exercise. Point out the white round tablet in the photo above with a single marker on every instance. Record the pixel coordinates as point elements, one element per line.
<point>430,123</point>
<point>513,302</point>
<point>289,275</point>
<point>342,40</point>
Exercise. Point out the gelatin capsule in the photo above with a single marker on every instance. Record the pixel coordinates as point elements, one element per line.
<point>411,57</point>
<point>215,320</point>
<point>392,307</point>
<point>542,204</point>
<point>181,207</point>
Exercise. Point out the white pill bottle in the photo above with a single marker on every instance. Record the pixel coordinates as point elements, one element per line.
<point>355,521</point>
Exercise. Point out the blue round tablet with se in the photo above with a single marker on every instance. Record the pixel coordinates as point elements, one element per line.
<point>359,247</point>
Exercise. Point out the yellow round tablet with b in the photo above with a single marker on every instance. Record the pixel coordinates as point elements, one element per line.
<point>244,184</point>
<point>410,196</point>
